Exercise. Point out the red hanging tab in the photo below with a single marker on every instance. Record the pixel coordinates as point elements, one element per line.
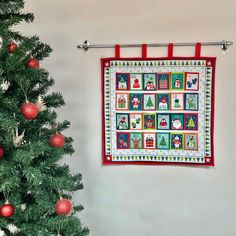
<point>170,50</point>
<point>198,50</point>
<point>117,51</point>
<point>144,50</point>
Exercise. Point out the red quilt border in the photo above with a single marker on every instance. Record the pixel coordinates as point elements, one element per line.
<point>213,65</point>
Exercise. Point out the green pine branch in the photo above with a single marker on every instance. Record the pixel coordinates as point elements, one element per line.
<point>31,177</point>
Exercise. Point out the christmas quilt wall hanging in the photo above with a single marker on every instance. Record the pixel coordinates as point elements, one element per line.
<point>158,110</point>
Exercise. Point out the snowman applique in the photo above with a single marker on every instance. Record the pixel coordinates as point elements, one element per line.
<point>177,83</point>
<point>191,143</point>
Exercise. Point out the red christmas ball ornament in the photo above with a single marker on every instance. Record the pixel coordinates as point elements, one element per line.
<point>29,110</point>
<point>12,47</point>
<point>33,63</point>
<point>7,210</point>
<point>57,140</point>
<point>63,207</point>
<point>1,152</point>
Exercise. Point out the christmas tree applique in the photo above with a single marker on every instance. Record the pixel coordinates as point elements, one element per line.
<point>149,103</point>
<point>191,124</point>
<point>163,142</point>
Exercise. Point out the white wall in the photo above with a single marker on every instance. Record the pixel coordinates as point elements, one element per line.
<point>142,200</point>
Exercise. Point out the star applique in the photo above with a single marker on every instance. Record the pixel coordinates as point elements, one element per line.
<point>209,63</point>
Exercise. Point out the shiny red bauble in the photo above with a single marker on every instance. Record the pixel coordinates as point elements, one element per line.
<point>7,210</point>
<point>33,63</point>
<point>29,111</point>
<point>12,47</point>
<point>57,140</point>
<point>63,207</point>
<point>1,152</point>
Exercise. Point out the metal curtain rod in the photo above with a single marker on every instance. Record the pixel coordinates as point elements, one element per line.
<point>224,45</point>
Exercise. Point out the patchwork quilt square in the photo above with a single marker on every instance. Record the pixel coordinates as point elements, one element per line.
<point>192,81</point>
<point>122,101</point>
<point>177,121</point>
<point>122,121</point>
<point>136,121</point>
<point>163,141</point>
<point>136,81</point>
<point>149,140</point>
<point>177,101</point>
<point>191,101</point>
<point>158,111</point>
<point>149,101</point>
<point>163,101</point>
<point>122,81</point>
<point>163,121</point>
<point>149,81</point>
<point>136,102</point>
<point>163,80</point>
<point>136,140</point>
<point>177,80</point>
<point>149,121</point>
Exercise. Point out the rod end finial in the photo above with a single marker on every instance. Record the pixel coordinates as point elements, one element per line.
<point>225,44</point>
<point>84,46</point>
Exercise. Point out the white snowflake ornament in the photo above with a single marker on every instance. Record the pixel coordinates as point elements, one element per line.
<point>18,139</point>
<point>47,126</point>
<point>2,233</point>
<point>28,54</point>
<point>41,104</point>
<point>13,229</point>
<point>23,207</point>
<point>1,47</point>
<point>4,86</point>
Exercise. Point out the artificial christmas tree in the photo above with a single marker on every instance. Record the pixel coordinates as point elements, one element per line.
<point>31,180</point>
